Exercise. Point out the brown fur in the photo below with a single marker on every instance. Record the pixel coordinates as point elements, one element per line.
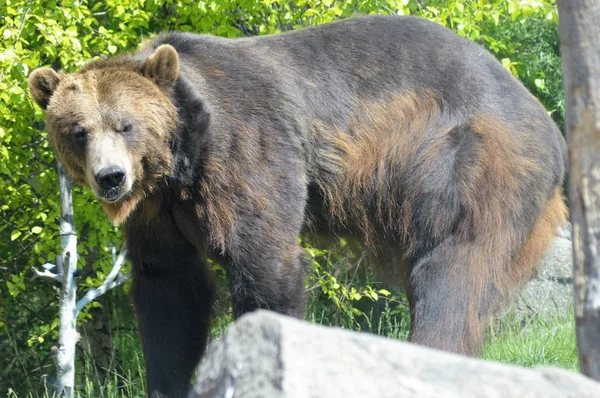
<point>42,84</point>
<point>365,154</point>
<point>81,95</point>
<point>529,256</point>
<point>162,66</point>
<point>372,152</point>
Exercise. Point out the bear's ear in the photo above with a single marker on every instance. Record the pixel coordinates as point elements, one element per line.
<point>42,83</point>
<point>162,66</point>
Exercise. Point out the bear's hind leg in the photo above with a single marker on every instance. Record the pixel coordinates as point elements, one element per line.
<point>453,293</point>
<point>458,285</point>
<point>173,312</point>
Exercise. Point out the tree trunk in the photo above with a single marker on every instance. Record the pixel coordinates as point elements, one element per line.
<point>580,47</point>
<point>64,354</point>
<point>69,307</point>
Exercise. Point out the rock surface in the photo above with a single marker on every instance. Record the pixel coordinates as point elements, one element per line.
<point>268,355</point>
<point>549,293</point>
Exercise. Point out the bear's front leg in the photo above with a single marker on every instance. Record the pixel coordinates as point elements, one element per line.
<point>173,310</point>
<point>173,293</point>
<point>264,261</point>
<point>269,279</point>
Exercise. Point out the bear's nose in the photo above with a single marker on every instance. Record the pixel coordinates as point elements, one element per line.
<point>110,177</point>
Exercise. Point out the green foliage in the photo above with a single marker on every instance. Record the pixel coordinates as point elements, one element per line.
<point>63,35</point>
<point>341,293</point>
<point>537,343</point>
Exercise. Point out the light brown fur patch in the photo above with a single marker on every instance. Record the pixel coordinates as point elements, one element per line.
<point>383,134</point>
<point>553,216</point>
<point>96,98</point>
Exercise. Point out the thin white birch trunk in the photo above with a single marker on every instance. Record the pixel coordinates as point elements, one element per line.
<point>69,308</point>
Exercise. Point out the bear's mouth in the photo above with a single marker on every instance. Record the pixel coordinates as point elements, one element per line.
<point>111,195</point>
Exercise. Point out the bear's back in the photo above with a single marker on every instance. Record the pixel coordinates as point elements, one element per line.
<point>367,56</point>
<point>321,72</point>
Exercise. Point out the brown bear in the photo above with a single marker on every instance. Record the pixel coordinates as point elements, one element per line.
<point>391,130</point>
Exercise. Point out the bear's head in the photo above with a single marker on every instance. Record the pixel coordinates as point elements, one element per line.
<point>111,124</point>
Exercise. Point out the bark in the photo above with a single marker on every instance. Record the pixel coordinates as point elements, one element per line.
<point>64,352</point>
<point>69,308</point>
<point>580,47</point>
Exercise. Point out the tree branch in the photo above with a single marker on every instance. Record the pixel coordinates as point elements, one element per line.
<point>114,279</point>
<point>47,272</point>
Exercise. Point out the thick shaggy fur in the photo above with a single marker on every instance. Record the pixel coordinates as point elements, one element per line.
<point>391,130</point>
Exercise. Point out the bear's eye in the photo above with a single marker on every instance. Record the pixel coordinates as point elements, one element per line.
<point>126,127</point>
<point>79,134</point>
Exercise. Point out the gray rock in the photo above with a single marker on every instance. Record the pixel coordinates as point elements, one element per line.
<point>549,293</point>
<point>268,355</point>
<point>566,231</point>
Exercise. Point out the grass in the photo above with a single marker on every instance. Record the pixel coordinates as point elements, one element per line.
<point>537,343</point>
<point>128,382</point>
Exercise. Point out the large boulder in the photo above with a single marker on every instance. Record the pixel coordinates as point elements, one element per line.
<point>268,355</point>
<point>549,294</point>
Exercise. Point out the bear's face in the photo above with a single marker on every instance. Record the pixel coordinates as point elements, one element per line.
<point>111,125</point>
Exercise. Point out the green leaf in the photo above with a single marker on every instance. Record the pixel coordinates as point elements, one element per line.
<point>540,83</point>
<point>356,311</point>
<point>15,235</point>
<point>36,230</point>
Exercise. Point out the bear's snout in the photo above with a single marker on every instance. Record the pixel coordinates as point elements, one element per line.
<point>109,170</point>
<point>110,177</point>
